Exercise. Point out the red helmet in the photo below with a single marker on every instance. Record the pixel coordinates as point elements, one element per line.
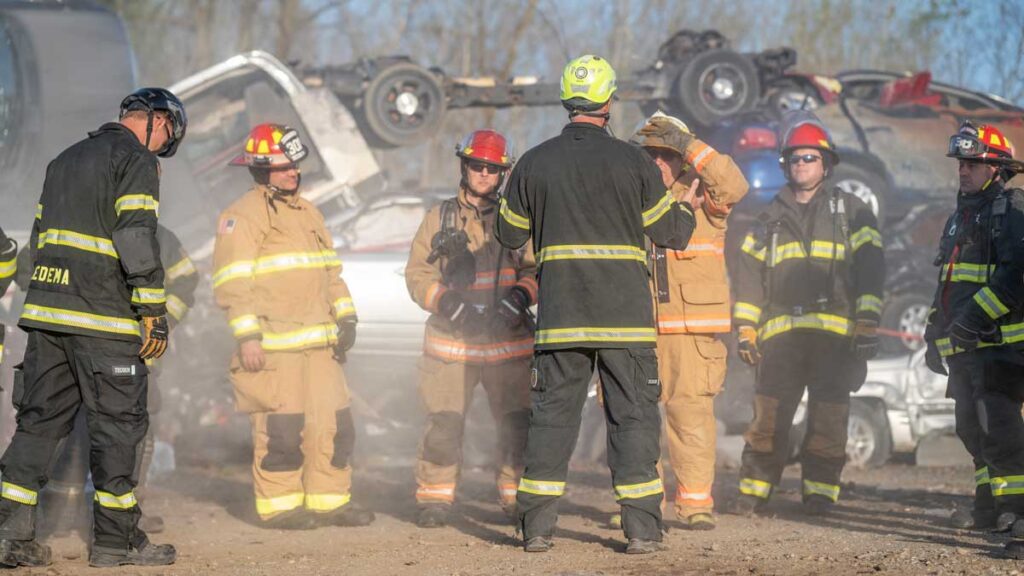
<point>271,146</point>
<point>985,142</point>
<point>802,129</point>
<point>486,146</point>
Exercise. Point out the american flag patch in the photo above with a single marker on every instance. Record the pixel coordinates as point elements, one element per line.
<point>227,226</point>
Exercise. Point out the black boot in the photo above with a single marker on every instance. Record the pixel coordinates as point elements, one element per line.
<point>14,553</point>
<point>433,516</point>
<point>294,519</point>
<point>744,505</point>
<point>538,544</point>
<point>816,505</point>
<point>146,554</point>
<point>350,515</point>
<point>641,546</point>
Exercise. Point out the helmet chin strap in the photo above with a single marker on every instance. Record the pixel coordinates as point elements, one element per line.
<point>149,128</point>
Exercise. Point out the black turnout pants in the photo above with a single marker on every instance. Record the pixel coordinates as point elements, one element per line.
<point>630,386</point>
<point>988,387</point>
<point>61,374</point>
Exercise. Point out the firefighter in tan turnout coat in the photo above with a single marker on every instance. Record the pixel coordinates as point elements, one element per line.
<point>279,280</point>
<point>480,329</point>
<point>691,298</point>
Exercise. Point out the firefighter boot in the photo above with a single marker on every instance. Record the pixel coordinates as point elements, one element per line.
<point>700,522</point>
<point>538,544</point>
<point>295,519</point>
<point>350,515</point>
<point>641,546</point>
<point>817,505</point>
<point>433,516</point>
<point>973,520</point>
<point>744,505</point>
<point>18,546</point>
<point>146,554</point>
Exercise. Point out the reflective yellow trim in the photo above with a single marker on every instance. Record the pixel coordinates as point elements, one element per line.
<point>77,240</point>
<point>981,476</point>
<point>326,502</point>
<point>866,235</point>
<point>136,202</point>
<point>750,246</point>
<point>344,307</point>
<point>869,303</point>
<point>183,267</point>
<point>642,490</point>
<point>511,217</point>
<point>148,296</point>
<point>268,506</point>
<point>19,494</point>
<point>541,487</point>
<point>233,271</point>
<point>826,250</point>
<point>8,268</point>
<point>589,334</point>
<point>654,213</point>
<point>77,319</point>
<point>975,273</point>
<point>752,487</point>
<point>244,325</point>
<point>122,502</point>
<point>39,211</point>
<point>176,307</point>
<point>1007,486</point>
<point>816,321</point>
<point>746,311</point>
<point>990,303</point>
<point>830,491</point>
<point>591,252</point>
<point>320,335</point>
<point>1012,334</point>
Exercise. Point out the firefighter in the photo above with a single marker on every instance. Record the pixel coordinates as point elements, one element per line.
<point>977,324</point>
<point>479,331</point>
<point>587,200</point>
<point>809,288</point>
<point>278,279</point>
<point>62,501</point>
<point>8,268</point>
<point>97,284</point>
<point>691,299</point>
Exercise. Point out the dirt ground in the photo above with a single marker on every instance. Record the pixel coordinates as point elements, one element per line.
<point>891,520</point>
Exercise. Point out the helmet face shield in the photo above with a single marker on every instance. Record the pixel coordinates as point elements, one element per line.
<point>965,146</point>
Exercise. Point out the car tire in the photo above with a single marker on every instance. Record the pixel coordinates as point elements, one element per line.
<point>715,85</point>
<point>789,96</point>
<point>869,441</point>
<point>863,184</point>
<point>403,105</point>
<point>904,313</point>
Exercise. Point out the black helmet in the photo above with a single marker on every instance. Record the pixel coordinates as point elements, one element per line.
<point>159,100</point>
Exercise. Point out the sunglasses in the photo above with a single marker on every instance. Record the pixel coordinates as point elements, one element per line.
<point>484,168</point>
<point>804,158</point>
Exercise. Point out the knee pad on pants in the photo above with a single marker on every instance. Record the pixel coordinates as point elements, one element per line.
<point>344,438</point>
<point>514,426</point>
<point>443,441</point>
<point>284,444</point>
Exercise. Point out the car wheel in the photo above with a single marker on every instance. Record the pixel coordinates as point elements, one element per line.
<point>788,96</point>
<point>717,84</point>
<point>906,314</point>
<point>863,184</point>
<point>403,105</point>
<point>868,442</point>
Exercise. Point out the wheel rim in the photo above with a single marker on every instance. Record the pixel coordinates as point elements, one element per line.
<point>723,88</point>
<point>861,190</point>
<point>913,320</point>
<point>789,100</point>
<point>860,441</point>
<point>406,104</point>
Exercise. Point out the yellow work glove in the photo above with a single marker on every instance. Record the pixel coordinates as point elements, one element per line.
<point>747,347</point>
<point>154,337</point>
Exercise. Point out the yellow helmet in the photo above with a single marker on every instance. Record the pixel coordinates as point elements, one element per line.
<point>587,82</point>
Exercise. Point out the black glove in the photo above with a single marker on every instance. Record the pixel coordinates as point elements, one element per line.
<point>933,360</point>
<point>346,335</point>
<point>464,318</point>
<point>511,310</point>
<point>460,269</point>
<point>865,339</point>
<point>964,334</point>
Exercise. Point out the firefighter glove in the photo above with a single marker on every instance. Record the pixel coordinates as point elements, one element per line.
<point>154,337</point>
<point>346,335</point>
<point>747,347</point>
<point>511,310</point>
<point>453,307</point>
<point>865,339</point>
<point>933,360</point>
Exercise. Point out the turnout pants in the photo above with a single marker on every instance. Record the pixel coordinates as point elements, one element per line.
<point>447,391</point>
<point>61,374</point>
<point>631,388</point>
<point>692,369</point>
<point>988,387</point>
<point>823,365</point>
<point>302,430</point>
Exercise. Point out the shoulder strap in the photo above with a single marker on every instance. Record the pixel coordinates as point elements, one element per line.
<point>449,211</point>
